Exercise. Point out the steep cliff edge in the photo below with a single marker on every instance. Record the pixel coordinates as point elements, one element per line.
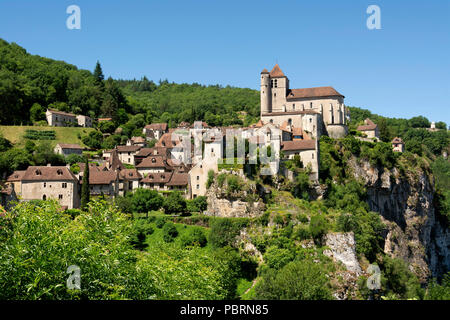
<point>405,202</point>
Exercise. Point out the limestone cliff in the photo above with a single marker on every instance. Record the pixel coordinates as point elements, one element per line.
<point>405,202</point>
<point>234,204</point>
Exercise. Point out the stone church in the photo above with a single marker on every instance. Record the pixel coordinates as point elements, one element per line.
<point>316,111</point>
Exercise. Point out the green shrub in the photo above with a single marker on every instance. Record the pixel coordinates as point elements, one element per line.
<point>210,180</point>
<point>221,179</point>
<point>195,236</point>
<point>234,184</point>
<point>302,233</point>
<point>224,231</point>
<point>160,222</point>
<point>169,232</point>
<point>298,280</point>
<point>318,227</point>
<point>277,258</point>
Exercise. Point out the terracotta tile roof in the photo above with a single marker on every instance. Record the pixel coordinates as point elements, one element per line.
<point>157,126</point>
<point>299,145</point>
<point>16,176</point>
<point>69,146</point>
<point>138,139</point>
<point>61,112</point>
<point>145,152</point>
<point>104,119</point>
<point>157,177</point>
<point>179,179</point>
<point>397,140</point>
<point>129,174</point>
<point>312,93</point>
<point>184,124</point>
<point>297,131</point>
<point>114,162</point>
<point>369,126</point>
<point>165,141</point>
<point>44,173</point>
<point>102,177</point>
<point>276,72</point>
<point>92,166</point>
<point>128,148</point>
<point>284,126</point>
<point>152,162</point>
<point>264,71</point>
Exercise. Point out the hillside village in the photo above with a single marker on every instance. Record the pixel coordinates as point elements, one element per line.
<point>292,121</point>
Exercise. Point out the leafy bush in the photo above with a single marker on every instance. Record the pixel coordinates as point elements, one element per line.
<point>175,203</point>
<point>169,231</point>
<point>195,236</point>
<point>146,200</point>
<point>160,222</point>
<point>224,231</point>
<point>277,258</point>
<point>210,180</point>
<point>141,229</point>
<point>318,227</point>
<point>298,280</point>
<point>197,204</point>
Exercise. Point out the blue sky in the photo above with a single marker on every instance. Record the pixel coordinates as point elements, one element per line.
<point>402,70</point>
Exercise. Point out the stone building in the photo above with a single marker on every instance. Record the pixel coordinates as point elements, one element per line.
<point>317,111</point>
<point>398,145</point>
<point>127,153</point>
<point>42,183</point>
<point>155,130</point>
<point>66,149</point>
<point>370,129</point>
<point>308,150</point>
<point>56,118</point>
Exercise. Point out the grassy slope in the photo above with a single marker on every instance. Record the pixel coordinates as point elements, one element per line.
<point>63,134</point>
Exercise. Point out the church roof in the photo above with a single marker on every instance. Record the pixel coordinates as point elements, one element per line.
<point>276,72</point>
<point>312,93</point>
<point>299,145</point>
<point>264,71</point>
<point>368,126</point>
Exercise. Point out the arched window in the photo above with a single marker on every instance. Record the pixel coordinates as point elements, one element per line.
<point>289,122</point>
<point>44,197</point>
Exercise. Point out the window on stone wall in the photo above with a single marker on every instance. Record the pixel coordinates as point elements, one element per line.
<point>60,197</point>
<point>276,84</point>
<point>44,197</point>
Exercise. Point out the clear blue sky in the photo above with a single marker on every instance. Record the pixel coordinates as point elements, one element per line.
<point>402,70</point>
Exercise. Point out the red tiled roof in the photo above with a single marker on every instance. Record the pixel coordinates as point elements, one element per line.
<point>129,174</point>
<point>312,93</point>
<point>145,152</point>
<point>128,148</point>
<point>101,177</point>
<point>157,177</point>
<point>264,71</point>
<point>152,162</point>
<point>157,126</point>
<point>138,139</point>
<point>276,72</point>
<point>299,145</point>
<point>397,140</point>
<point>369,125</point>
<point>16,176</point>
<point>179,179</point>
<point>44,173</point>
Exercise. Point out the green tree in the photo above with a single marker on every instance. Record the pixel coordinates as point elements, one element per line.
<point>85,188</point>
<point>175,203</point>
<point>146,200</point>
<point>170,232</point>
<point>98,74</point>
<point>298,280</point>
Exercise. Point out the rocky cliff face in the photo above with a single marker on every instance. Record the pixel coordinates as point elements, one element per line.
<point>405,203</point>
<point>243,203</point>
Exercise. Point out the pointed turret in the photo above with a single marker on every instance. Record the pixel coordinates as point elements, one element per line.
<point>276,72</point>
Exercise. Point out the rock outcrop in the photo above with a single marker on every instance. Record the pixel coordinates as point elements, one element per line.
<point>342,249</point>
<point>405,202</point>
<point>245,203</point>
